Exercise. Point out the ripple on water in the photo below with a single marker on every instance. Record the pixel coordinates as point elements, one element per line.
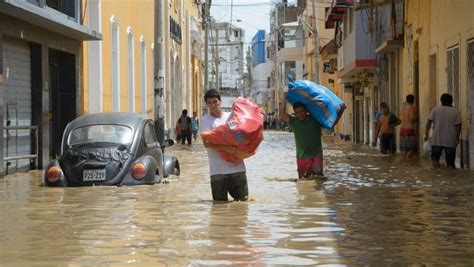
<point>372,210</point>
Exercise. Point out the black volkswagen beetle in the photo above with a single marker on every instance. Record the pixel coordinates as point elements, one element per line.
<point>110,149</point>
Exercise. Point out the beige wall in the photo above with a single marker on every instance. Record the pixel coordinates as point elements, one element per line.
<point>417,15</point>
<point>139,15</point>
<point>454,24</point>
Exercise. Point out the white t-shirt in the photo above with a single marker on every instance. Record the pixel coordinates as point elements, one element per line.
<point>216,164</point>
<point>444,120</point>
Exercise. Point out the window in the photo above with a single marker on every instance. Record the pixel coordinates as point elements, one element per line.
<point>149,135</point>
<point>453,73</point>
<point>67,7</point>
<point>131,70</point>
<point>115,65</point>
<point>100,133</point>
<point>143,75</point>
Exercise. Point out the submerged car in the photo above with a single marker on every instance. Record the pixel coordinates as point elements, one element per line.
<point>110,149</point>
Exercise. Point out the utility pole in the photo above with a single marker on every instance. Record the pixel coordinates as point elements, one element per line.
<point>206,24</point>
<point>315,45</point>
<point>249,71</point>
<point>277,67</point>
<point>216,56</point>
<point>158,74</point>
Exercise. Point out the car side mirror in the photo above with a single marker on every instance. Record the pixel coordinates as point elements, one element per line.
<point>168,142</point>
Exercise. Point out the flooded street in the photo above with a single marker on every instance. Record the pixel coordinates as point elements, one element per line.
<point>372,209</point>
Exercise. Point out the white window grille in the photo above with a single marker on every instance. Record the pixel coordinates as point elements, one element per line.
<point>115,65</point>
<point>131,70</point>
<point>143,74</point>
<point>453,73</point>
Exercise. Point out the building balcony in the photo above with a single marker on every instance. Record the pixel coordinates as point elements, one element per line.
<point>336,12</point>
<point>389,34</point>
<point>59,19</point>
<point>291,54</point>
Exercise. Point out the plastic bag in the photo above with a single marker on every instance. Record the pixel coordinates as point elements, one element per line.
<point>427,148</point>
<point>243,130</point>
<point>323,105</point>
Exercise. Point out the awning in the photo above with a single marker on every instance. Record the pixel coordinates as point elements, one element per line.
<point>290,24</point>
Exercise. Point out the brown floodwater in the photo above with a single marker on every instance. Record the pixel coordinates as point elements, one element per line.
<point>372,209</point>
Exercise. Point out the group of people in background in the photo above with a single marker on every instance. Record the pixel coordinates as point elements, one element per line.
<point>186,128</point>
<point>445,120</point>
<point>270,121</point>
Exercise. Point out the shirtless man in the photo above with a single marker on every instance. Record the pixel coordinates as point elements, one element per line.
<point>408,116</point>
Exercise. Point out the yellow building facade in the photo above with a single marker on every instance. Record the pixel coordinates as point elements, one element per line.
<point>182,59</point>
<point>118,71</point>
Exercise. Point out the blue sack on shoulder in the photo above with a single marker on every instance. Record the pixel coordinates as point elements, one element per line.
<point>323,105</point>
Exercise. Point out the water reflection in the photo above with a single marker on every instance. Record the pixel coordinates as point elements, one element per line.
<point>372,209</point>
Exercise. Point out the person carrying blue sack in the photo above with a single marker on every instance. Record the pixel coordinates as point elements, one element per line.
<point>307,128</point>
<point>323,105</point>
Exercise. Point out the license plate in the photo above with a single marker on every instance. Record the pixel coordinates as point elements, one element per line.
<point>94,175</point>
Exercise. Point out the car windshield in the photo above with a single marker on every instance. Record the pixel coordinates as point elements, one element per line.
<point>104,133</point>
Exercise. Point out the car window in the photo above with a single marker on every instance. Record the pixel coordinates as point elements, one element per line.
<point>149,135</point>
<point>109,133</point>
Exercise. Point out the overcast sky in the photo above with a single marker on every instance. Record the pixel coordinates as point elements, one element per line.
<point>254,14</point>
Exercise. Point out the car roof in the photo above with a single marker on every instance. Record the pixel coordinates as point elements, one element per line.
<point>133,120</point>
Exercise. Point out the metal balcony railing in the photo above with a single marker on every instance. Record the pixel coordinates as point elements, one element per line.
<point>12,133</point>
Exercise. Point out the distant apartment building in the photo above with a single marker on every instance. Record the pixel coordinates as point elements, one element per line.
<point>287,49</point>
<point>258,48</point>
<point>226,58</point>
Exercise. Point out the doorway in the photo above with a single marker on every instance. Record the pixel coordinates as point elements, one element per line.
<point>62,95</point>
